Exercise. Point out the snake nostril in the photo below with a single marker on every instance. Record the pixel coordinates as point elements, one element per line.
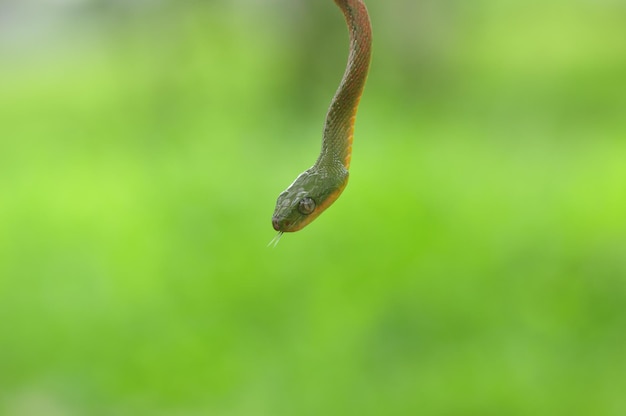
<point>276,224</point>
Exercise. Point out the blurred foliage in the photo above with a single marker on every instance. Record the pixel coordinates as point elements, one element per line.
<point>476,264</point>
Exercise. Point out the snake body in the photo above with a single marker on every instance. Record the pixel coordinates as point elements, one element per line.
<point>318,187</point>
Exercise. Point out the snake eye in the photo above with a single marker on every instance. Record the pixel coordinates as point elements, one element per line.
<point>306,206</point>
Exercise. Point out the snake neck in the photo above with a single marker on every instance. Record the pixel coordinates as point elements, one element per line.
<point>339,126</point>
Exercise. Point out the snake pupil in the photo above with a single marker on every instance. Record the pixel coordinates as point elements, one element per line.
<point>306,205</point>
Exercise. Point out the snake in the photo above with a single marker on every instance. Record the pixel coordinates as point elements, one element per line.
<point>315,189</point>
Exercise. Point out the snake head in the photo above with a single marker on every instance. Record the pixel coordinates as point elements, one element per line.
<point>307,197</point>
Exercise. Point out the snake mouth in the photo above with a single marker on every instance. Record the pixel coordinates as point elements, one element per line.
<point>289,226</point>
<point>281,226</point>
<point>276,223</point>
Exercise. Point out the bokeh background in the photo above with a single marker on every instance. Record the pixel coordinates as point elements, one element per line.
<point>475,265</point>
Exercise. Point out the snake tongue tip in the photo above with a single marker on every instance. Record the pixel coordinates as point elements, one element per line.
<point>274,242</point>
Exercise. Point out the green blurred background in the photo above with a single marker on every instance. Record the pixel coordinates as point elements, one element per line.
<point>475,265</point>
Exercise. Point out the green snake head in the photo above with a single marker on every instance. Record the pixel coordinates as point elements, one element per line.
<point>307,197</point>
